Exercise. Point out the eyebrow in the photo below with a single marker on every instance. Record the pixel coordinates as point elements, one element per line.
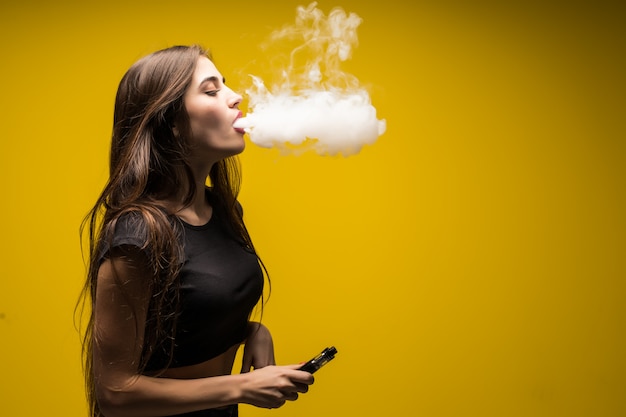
<point>212,79</point>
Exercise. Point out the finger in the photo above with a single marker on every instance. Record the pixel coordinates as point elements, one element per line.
<point>277,404</point>
<point>295,366</point>
<point>292,396</point>
<point>302,377</point>
<point>303,388</point>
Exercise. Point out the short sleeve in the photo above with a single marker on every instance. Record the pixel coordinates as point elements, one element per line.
<point>128,230</point>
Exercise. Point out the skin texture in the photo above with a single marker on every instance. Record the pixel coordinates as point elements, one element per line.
<point>212,108</point>
<point>123,294</point>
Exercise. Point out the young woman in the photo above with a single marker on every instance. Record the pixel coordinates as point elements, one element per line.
<point>173,275</point>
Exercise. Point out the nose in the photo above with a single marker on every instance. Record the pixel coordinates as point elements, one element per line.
<point>234,100</point>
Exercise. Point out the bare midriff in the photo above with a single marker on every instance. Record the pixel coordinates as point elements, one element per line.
<point>219,365</point>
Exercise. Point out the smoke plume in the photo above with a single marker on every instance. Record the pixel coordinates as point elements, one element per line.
<point>314,104</point>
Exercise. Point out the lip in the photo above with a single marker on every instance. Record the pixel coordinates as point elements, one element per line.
<point>239,129</point>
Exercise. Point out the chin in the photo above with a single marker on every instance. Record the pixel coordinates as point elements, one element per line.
<point>225,149</point>
<point>235,150</point>
<point>240,146</point>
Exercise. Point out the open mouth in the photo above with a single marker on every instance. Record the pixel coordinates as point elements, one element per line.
<point>239,129</point>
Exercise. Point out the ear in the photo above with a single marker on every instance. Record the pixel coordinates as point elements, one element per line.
<point>176,132</point>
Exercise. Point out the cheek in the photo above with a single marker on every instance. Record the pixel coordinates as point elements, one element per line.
<point>203,119</point>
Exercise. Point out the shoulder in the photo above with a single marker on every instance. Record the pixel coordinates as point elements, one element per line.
<point>135,227</point>
<point>129,227</point>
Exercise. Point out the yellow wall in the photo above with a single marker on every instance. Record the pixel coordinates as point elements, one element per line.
<point>470,263</point>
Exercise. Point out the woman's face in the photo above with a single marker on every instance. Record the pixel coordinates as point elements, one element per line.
<point>212,109</point>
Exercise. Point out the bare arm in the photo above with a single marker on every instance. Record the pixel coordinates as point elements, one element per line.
<point>120,314</point>
<point>258,349</point>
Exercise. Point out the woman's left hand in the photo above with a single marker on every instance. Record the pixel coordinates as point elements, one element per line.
<point>258,351</point>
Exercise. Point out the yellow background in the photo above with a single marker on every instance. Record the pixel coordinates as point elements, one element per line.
<point>470,263</point>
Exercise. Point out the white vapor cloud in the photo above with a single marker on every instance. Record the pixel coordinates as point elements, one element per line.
<point>315,105</point>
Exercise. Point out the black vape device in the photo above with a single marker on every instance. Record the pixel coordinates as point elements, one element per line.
<point>320,360</point>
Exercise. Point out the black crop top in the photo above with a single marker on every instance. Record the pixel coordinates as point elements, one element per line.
<point>220,281</point>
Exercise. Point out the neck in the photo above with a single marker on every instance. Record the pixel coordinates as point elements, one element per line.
<point>199,212</point>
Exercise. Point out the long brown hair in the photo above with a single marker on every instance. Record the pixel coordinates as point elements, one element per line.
<point>149,165</point>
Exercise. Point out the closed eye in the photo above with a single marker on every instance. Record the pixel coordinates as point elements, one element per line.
<point>211,81</point>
